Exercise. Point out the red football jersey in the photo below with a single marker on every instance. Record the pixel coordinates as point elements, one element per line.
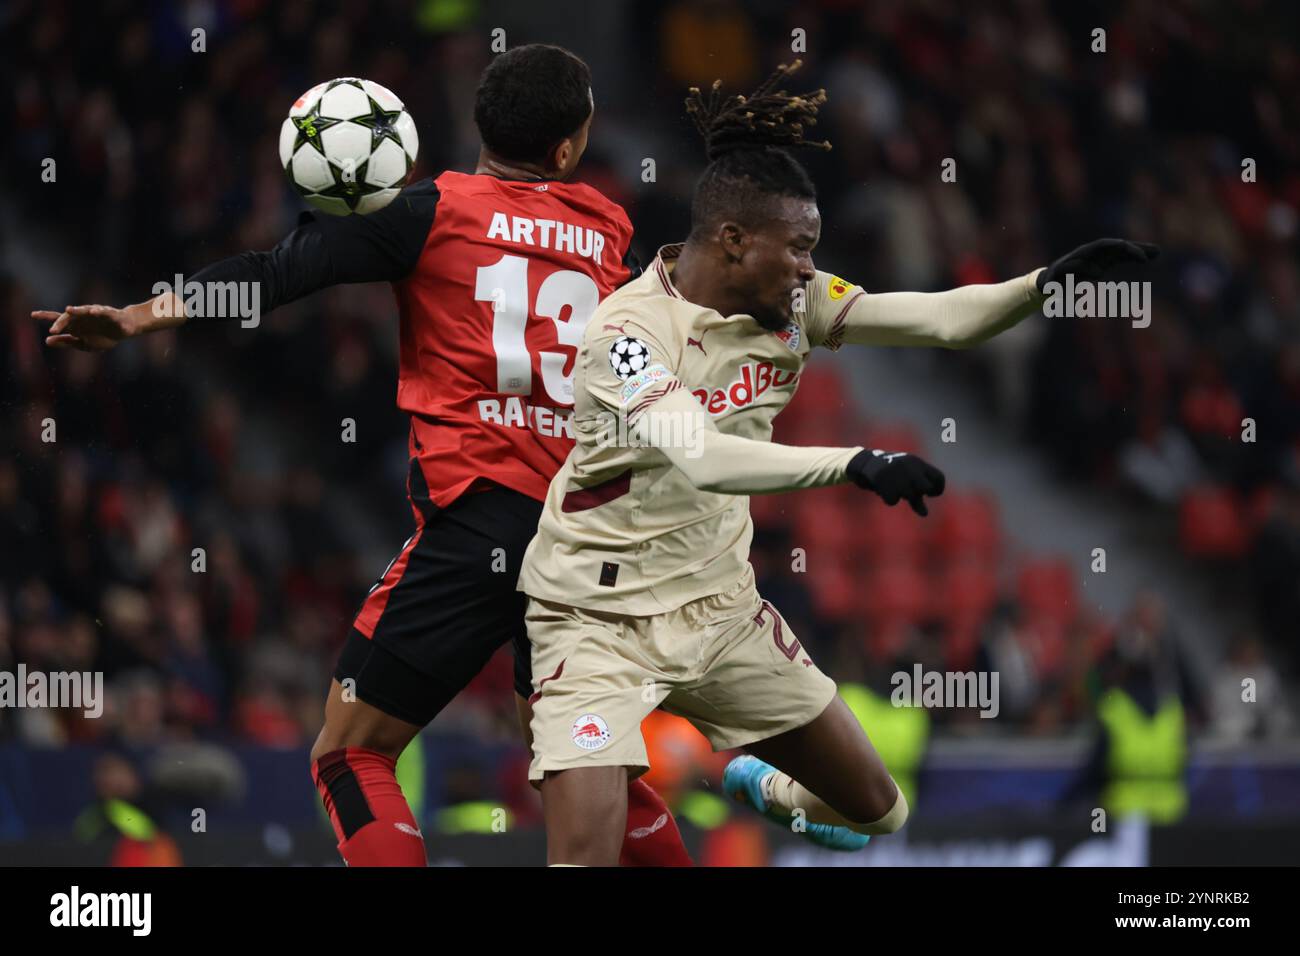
<point>491,318</point>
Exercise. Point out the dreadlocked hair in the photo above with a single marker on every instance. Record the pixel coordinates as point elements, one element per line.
<point>767,117</point>
<point>746,139</point>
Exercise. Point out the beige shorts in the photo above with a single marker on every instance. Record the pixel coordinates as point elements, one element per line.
<point>728,663</point>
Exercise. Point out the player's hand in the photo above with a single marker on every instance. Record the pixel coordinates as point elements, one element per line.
<point>1089,262</point>
<point>89,328</point>
<point>896,475</point>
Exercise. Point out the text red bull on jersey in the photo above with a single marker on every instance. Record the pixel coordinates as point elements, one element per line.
<point>755,379</point>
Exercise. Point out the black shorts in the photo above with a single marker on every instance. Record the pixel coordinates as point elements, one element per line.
<point>444,605</point>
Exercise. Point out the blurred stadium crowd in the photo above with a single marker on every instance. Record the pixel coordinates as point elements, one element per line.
<point>229,439</point>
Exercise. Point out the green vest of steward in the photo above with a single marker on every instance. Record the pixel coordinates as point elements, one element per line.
<point>474,816</point>
<point>126,818</point>
<point>1146,757</point>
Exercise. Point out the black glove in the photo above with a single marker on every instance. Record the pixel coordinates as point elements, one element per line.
<point>894,475</point>
<point>1090,261</point>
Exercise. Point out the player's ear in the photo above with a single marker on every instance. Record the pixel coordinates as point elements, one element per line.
<point>561,153</point>
<point>733,239</point>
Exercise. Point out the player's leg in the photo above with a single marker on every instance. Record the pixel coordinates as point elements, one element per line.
<point>353,764</point>
<point>444,605</point>
<point>586,814</point>
<point>762,691</point>
<point>586,725</point>
<point>354,723</point>
<point>651,836</point>
<point>829,770</point>
<point>585,808</point>
<point>376,705</point>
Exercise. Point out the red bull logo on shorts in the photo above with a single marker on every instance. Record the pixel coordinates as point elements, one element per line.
<point>590,732</point>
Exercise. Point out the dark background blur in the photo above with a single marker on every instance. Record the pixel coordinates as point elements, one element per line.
<point>1074,433</point>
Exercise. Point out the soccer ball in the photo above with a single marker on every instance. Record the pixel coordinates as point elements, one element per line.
<point>627,356</point>
<point>348,146</point>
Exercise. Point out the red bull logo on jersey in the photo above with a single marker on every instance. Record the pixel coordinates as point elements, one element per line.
<point>791,335</point>
<point>755,379</point>
<point>590,732</point>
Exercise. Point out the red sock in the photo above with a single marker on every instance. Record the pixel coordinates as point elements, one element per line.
<point>371,817</point>
<point>652,837</point>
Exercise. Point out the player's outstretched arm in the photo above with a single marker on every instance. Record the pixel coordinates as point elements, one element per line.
<point>961,317</point>
<point>897,476</point>
<point>729,464</point>
<point>95,328</point>
<point>655,407</point>
<point>323,251</point>
<point>1091,261</point>
<point>673,422</point>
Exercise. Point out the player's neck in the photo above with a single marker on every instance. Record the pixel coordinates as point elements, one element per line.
<point>698,279</point>
<point>491,165</point>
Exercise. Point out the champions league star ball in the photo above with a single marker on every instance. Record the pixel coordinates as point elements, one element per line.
<point>348,146</point>
<point>627,356</point>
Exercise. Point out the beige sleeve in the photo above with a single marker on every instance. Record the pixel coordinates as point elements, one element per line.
<point>728,464</point>
<point>958,318</point>
<point>656,360</point>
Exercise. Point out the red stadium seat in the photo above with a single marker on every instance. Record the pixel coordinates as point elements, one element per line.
<point>887,640</point>
<point>1046,589</point>
<point>826,529</point>
<point>961,641</point>
<point>821,401</point>
<point>1212,410</point>
<point>834,591</point>
<point>897,593</point>
<point>967,525</point>
<point>772,512</point>
<point>835,430</point>
<point>822,391</point>
<point>966,590</point>
<point>893,436</point>
<point>890,535</point>
<point>1258,506</point>
<point>1211,523</point>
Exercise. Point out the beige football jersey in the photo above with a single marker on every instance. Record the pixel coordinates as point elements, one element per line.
<point>673,410</point>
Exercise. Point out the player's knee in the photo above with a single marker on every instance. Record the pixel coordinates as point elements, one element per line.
<point>595,842</point>
<point>577,849</point>
<point>894,814</point>
<point>320,748</point>
<point>881,808</point>
<point>335,737</point>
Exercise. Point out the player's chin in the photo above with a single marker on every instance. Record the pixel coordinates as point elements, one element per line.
<point>774,319</point>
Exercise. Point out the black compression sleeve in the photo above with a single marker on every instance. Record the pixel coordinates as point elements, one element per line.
<point>633,263</point>
<point>325,250</point>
